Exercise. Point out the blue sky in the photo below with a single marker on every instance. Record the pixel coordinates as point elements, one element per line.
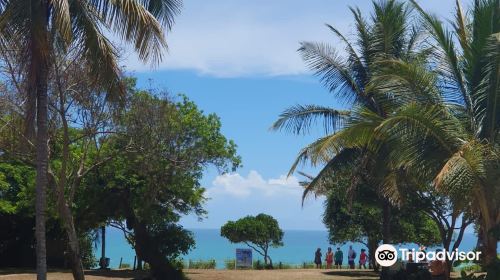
<point>238,59</point>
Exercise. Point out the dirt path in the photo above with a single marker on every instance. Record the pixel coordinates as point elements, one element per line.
<point>285,274</point>
<point>198,274</point>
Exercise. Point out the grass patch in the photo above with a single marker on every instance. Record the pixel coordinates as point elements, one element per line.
<point>200,264</point>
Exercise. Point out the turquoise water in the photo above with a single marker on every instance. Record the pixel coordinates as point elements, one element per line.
<point>299,247</point>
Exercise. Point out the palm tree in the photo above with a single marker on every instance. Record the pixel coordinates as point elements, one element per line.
<point>388,35</point>
<point>42,25</point>
<point>456,141</point>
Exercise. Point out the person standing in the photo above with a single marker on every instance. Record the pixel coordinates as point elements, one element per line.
<point>339,257</point>
<point>329,258</point>
<point>317,258</point>
<point>351,257</point>
<point>363,257</point>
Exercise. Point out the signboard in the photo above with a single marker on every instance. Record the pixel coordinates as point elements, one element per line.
<point>243,258</point>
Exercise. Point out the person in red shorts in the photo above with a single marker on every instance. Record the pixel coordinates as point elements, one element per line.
<point>363,257</point>
<point>329,258</point>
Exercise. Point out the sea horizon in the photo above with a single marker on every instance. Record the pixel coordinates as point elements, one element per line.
<point>299,247</point>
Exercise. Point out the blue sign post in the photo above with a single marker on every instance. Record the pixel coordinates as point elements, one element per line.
<point>243,258</point>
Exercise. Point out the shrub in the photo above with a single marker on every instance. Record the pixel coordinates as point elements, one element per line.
<point>258,265</point>
<point>200,264</point>
<point>125,265</point>
<point>471,276</point>
<point>230,264</point>
<point>177,264</point>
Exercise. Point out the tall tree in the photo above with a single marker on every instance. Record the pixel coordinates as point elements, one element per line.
<point>387,35</point>
<point>454,141</point>
<point>39,24</point>
<point>163,147</point>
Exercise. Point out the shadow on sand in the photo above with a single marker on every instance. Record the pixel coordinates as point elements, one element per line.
<point>353,273</point>
<point>123,273</point>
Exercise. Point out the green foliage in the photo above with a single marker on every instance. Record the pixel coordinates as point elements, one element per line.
<point>471,276</point>
<point>258,265</point>
<point>89,260</point>
<point>261,230</point>
<point>159,154</point>
<point>200,264</point>
<point>16,188</point>
<point>360,218</point>
<point>230,264</point>
<point>125,266</point>
<point>257,232</point>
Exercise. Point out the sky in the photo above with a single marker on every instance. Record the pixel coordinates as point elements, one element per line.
<point>239,59</point>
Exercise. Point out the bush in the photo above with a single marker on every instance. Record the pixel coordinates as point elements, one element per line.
<point>177,264</point>
<point>86,250</point>
<point>471,276</point>
<point>125,265</point>
<point>306,265</point>
<point>258,265</point>
<point>472,267</point>
<point>230,264</point>
<point>200,264</point>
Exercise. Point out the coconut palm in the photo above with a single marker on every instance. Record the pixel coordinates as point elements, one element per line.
<point>39,26</point>
<point>456,141</point>
<point>387,35</point>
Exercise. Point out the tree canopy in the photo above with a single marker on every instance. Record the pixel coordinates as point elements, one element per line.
<point>258,232</point>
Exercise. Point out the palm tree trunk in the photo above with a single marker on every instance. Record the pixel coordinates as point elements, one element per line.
<point>386,232</point>
<point>372,247</point>
<point>489,252</point>
<point>386,222</point>
<point>38,80</point>
<point>42,159</point>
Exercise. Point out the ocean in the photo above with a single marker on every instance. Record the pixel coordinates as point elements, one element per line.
<point>299,246</point>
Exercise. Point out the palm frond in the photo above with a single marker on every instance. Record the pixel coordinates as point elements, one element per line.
<point>487,95</point>
<point>334,73</point>
<point>464,171</point>
<point>319,151</point>
<point>97,50</point>
<point>420,125</point>
<point>404,82</point>
<point>299,118</point>
<point>163,10</point>
<point>461,26</point>
<point>355,61</point>
<point>448,60</point>
<point>134,23</point>
<point>321,183</point>
<point>62,19</point>
<point>364,37</point>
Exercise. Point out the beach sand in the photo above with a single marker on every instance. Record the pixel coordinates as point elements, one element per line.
<point>199,274</point>
<point>210,274</point>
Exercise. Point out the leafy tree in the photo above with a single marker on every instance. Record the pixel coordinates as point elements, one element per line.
<point>17,221</point>
<point>453,141</point>
<point>388,34</point>
<point>37,27</point>
<point>162,148</point>
<point>259,233</point>
<point>358,217</point>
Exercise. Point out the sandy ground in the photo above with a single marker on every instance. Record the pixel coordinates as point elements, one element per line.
<point>195,274</point>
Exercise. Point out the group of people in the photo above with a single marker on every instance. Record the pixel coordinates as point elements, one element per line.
<point>338,258</point>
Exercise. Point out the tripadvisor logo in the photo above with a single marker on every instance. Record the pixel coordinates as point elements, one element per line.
<point>387,255</point>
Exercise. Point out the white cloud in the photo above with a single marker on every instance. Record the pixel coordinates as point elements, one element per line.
<point>233,196</point>
<point>239,186</point>
<point>228,38</point>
